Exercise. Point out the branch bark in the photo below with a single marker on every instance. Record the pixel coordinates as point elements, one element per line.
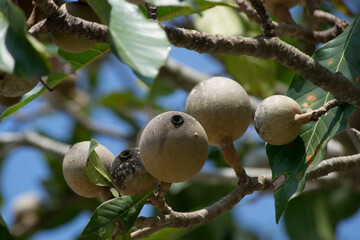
<point>189,219</point>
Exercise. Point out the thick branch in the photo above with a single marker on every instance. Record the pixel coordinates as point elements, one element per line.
<point>274,49</point>
<point>189,219</point>
<point>60,21</point>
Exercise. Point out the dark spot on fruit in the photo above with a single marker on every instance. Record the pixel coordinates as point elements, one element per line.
<point>177,120</point>
<point>125,154</point>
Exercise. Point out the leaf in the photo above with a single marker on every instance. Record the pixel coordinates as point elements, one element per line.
<point>125,209</point>
<point>289,163</point>
<point>136,41</point>
<point>175,8</point>
<point>4,230</point>
<point>77,60</point>
<point>20,54</point>
<point>314,215</point>
<point>95,168</point>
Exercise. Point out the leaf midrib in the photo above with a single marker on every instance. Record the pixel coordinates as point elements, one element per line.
<point>337,69</point>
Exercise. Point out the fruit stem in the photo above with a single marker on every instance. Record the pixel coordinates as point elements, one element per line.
<point>163,189</point>
<point>233,159</point>
<point>314,115</point>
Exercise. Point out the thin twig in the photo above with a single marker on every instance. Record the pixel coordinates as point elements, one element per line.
<point>317,113</point>
<point>267,24</point>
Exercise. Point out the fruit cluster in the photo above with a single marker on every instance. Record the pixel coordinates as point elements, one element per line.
<point>173,146</point>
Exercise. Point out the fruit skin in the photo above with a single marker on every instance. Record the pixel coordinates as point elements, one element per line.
<point>129,175</point>
<point>222,107</point>
<point>14,86</point>
<point>274,120</point>
<point>70,43</point>
<point>173,147</point>
<point>74,168</point>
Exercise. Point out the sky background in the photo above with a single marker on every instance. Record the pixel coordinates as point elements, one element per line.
<point>25,168</point>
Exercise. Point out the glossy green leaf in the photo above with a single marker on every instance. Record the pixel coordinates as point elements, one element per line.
<point>125,209</point>
<point>175,8</point>
<point>4,230</point>
<point>77,60</point>
<point>95,168</point>
<point>289,163</point>
<point>314,215</point>
<point>136,41</point>
<point>20,54</point>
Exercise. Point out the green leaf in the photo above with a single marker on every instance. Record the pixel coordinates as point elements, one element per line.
<point>20,54</point>
<point>95,168</point>
<point>136,41</point>
<point>77,60</point>
<point>314,215</point>
<point>175,8</point>
<point>4,230</point>
<point>125,209</point>
<point>289,163</point>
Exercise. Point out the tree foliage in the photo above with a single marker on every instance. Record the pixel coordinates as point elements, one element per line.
<point>266,52</point>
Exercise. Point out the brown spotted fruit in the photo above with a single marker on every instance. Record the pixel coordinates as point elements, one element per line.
<point>274,120</point>
<point>71,43</point>
<point>74,168</point>
<point>222,107</point>
<point>129,175</point>
<point>173,147</point>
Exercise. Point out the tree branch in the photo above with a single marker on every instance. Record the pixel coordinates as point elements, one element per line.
<point>298,31</point>
<point>189,219</point>
<point>274,49</point>
<point>59,20</point>
<point>267,24</point>
<point>36,140</point>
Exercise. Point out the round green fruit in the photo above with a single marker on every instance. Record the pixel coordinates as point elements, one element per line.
<point>173,147</point>
<point>222,107</point>
<point>71,43</point>
<point>74,168</point>
<point>274,120</point>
